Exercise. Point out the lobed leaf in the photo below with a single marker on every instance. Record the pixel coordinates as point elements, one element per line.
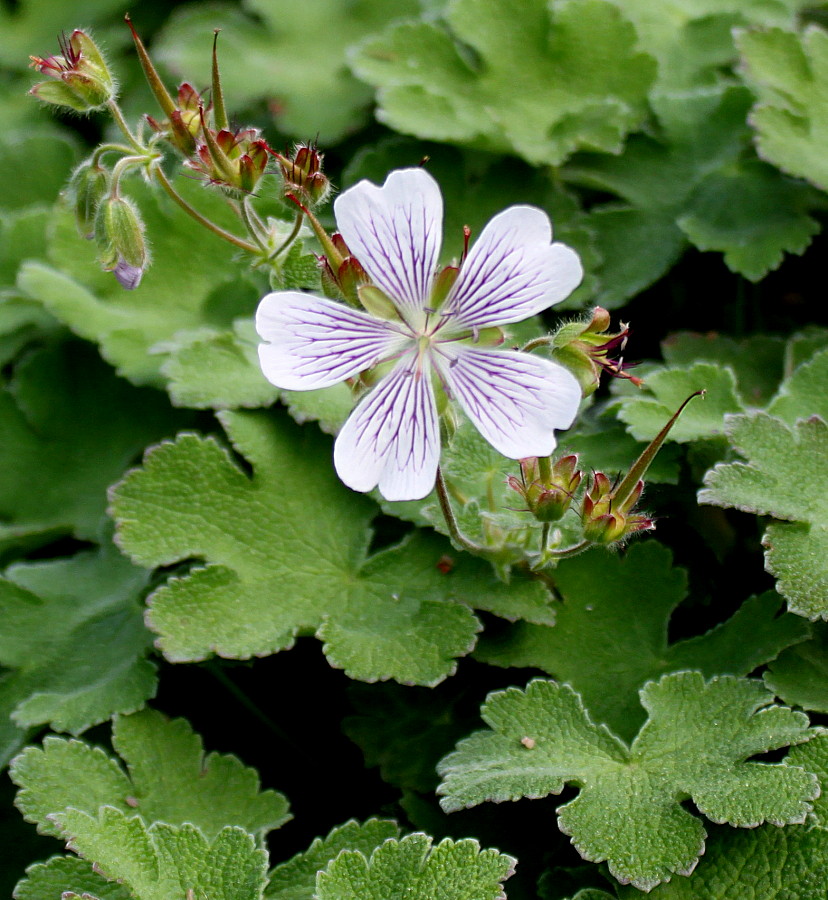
<point>168,779</point>
<point>694,745</point>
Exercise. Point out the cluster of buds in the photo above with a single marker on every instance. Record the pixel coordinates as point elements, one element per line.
<point>303,176</point>
<point>233,160</point>
<point>79,76</point>
<point>547,488</point>
<point>609,517</point>
<point>587,349</point>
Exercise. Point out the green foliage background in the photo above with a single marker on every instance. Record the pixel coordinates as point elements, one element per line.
<point>182,570</point>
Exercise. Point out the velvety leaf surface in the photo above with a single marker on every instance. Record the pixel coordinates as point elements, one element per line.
<point>695,744</point>
<point>74,643</point>
<point>70,427</point>
<point>799,675</point>
<point>165,861</point>
<point>298,60</point>
<point>168,779</point>
<point>551,78</point>
<point>296,878</point>
<point>412,868</point>
<point>49,880</point>
<point>610,633</point>
<point>279,562</point>
<point>785,477</point>
<point>789,73</point>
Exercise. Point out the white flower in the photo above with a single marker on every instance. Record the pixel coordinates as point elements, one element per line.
<point>513,271</point>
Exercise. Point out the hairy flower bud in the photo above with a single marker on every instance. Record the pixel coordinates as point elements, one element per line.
<point>81,79</point>
<point>547,488</point>
<point>87,187</point>
<point>608,518</point>
<point>233,160</point>
<point>119,233</point>
<point>586,349</point>
<point>303,176</point>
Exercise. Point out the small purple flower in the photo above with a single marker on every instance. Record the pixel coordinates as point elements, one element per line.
<point>513,271</point>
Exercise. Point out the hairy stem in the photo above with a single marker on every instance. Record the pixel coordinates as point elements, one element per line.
<point>456,535</point>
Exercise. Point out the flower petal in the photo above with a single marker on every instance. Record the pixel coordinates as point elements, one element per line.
<point>395,231</point>
<point>513,271</point>
<point>515,400</point>
<point>314,343</point>
<point>392,439</point>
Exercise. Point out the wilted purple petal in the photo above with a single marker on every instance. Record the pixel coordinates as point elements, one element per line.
<point>392,439</point>
<point>515,400</point>
<point>513,271</point>
<point>315,343</point>
<point>128,276</point>
<point>395,231</point>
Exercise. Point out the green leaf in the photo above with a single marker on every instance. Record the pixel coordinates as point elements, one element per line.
<point>53,612</point>
<point>412,868</point>
<point>296,878</point>
<point>789,73</point>
<point>692,40</point>
<point>805,392</point>
<point>752,215</point>
<point>799,675</point>
<point>170,779</point>
<point>280,536</point>
<point>550,78</point>
<point>757,361</point>
<point>295,61</point>
<point>703,418</point>
<point>784,477</point>
<point>165,861</point>
<point>610,634</point>
<point>71,427</point>
<point>49,880</point>
<point>50,155</point>
<point>191,284</point>
<point>695,744</point>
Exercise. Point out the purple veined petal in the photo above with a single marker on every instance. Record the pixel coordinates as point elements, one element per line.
<point>392,439</point>
<point>315,343</point>
<point>395,231</point>
<point>513,271</point>
<point>515,400</point>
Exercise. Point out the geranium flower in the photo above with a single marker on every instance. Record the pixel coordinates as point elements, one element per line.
<point>513,271</point>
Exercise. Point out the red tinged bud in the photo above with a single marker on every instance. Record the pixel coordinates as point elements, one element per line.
<point>548,488</point>
<point>79,76</point>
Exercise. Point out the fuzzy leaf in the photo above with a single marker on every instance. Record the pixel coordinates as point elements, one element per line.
<point>74,642</point>
<point>299,60</point>
<point>610,634</point>
<point>703,418</point>
<point>296,878</point>
<point>165,861</point>
<point>50,880</point>
<point>789,73</point>
<point>279,536</point>
<point>799,675</point>
<point>169,779</point>
<point>785,477</point>
<point>550,78</point>
<point>411,868</point>
<point>805,392</point>
<point>71,427</point>
<point>695,744</point>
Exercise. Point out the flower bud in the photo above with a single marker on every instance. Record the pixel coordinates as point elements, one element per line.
<point>547,488</point>
<point>608,518</point>
<point>81,78</point>
<point>87,187</point>
<point>184,123</point>
<point>119,233</point>
<point>303,176</point>
<point>233,160</point>
<point>585,349</point>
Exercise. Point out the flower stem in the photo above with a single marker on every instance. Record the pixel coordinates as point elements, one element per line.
<point>544,341</point>
<point>251,226</point>
<point>121,122</point>
<point>202,220</point>
<point>109,148</point>
<point>455,534</point>
<point>300,217</point>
